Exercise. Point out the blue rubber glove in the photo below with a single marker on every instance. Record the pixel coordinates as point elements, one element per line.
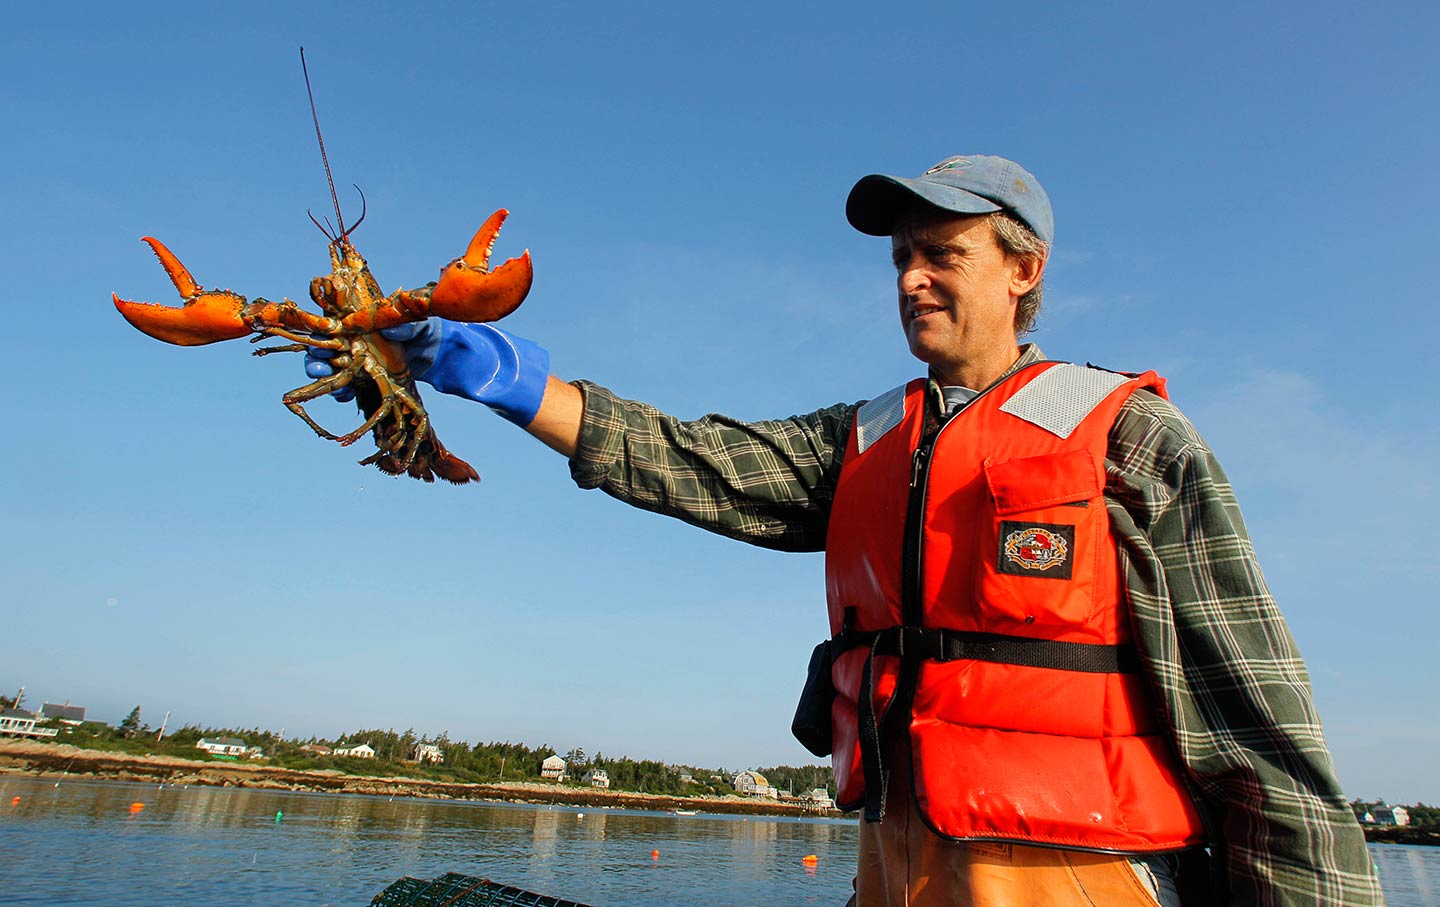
<point>475,361</point>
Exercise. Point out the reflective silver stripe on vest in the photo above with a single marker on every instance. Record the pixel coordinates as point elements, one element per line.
<point>878,416</point>
<point>1059,400</point>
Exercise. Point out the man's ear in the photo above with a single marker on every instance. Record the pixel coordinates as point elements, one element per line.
<point>1026,276</point>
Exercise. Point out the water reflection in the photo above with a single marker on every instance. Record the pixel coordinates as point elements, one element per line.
<point>1409,875</point>
<point>227,846</point>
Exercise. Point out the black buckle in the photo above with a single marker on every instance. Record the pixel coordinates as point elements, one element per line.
<point>920,642</point>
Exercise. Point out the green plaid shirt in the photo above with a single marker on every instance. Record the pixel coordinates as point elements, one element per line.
<point>1224,666</point>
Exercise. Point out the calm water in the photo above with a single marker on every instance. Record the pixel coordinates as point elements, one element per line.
<point>80,844</point>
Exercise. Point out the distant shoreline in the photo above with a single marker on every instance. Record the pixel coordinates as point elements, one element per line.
<point>1404,834</point>
<point>59,760</point>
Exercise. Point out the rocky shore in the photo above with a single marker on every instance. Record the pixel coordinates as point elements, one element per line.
<point>57,760</point>
<point>1427,836</point>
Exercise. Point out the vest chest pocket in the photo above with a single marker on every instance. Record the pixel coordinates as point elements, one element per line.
<point>1038,543</point>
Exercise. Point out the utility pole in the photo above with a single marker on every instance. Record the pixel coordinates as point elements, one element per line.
<point>164,721</point>
<point>502,768</point>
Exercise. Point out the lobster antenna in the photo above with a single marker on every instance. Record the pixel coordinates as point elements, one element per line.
<point>321,139</point>
<point>310,215</point>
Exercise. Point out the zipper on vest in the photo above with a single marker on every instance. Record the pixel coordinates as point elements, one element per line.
<point>911,610</point>
<point>912,602</point>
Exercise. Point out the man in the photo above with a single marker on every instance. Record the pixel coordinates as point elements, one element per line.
<point>1058,675</point>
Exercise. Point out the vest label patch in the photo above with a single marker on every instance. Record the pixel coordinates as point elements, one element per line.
<point>1040,550</point>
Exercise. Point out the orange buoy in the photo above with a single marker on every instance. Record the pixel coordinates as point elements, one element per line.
<point>14,801</point>
<point>136,806</point>
<point>654,854</point>
<point>809,859</point>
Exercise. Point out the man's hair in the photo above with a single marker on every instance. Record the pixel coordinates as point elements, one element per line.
<point>1020,241</point>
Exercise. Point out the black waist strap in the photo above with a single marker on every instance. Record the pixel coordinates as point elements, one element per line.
<point>929,643</point>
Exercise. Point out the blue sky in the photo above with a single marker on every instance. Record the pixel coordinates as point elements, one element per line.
<point>1244,200</point>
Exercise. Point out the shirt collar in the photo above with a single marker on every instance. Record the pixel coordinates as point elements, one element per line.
<point>1029,355</point>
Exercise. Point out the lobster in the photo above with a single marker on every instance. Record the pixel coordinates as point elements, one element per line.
<point>354,310</point>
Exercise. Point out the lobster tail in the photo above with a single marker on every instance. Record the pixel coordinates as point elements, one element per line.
<point>451,468</point>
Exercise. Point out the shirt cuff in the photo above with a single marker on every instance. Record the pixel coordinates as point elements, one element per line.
<point>602,429</point>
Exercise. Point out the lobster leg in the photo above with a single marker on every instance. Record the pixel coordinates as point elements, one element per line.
<point>287,348</point>
<point>302,341</point>
<point>384,459</point>
<point>300,395</point>
<point>417,432</point>
<point>360,432</point>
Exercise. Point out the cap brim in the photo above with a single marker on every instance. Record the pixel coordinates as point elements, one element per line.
<point>878,202</point>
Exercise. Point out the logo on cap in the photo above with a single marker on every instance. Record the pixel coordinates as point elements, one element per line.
<point>1036,549</point>
<point>954,163</point>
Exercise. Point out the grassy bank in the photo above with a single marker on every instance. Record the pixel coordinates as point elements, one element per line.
<point>58,760</point>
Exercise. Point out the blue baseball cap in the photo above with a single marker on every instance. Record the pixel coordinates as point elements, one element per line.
<point>964,184</point>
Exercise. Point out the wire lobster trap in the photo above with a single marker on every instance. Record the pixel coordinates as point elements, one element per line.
<point>456,890</point>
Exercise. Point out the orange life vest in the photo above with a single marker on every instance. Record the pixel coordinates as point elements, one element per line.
<point>975,601</point>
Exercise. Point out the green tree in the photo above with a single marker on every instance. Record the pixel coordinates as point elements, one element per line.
<point>131,727</point>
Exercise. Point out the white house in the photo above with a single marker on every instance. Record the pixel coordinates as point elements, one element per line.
<point>428,752</point>
<point>819,798</point>
<point>1389,815</point>
<point>20,723</point>
<point>222,746</point>
<point>596,777</point>
<point>553,768</point>
<point>753,784</point>
<point>358,751</point>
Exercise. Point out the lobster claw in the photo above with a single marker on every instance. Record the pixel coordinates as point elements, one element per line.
<point>206,317</point>
<point>469,291</point>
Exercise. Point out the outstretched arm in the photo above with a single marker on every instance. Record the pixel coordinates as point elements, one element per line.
<point>557,422</point>
<point>767,483</point>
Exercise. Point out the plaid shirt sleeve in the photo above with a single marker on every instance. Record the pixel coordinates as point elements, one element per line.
<point>767,483</point>
<point>1229,677</point>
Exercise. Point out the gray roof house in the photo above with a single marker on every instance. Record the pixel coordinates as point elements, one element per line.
<point>69,714</point>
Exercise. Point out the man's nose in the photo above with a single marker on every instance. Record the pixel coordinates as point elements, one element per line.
<point>912,278</point>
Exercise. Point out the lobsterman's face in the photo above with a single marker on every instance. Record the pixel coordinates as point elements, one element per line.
<point>958,292</point>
